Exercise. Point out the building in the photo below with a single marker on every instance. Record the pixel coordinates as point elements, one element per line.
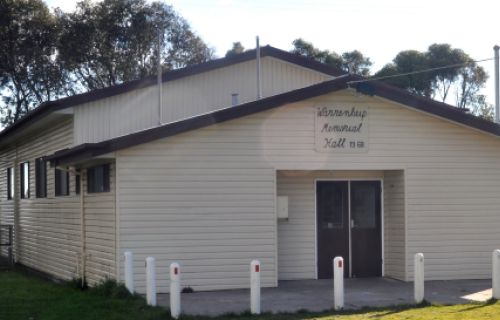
<point>324,164</point>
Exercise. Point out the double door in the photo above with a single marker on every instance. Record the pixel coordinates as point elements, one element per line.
<point>349,225</point>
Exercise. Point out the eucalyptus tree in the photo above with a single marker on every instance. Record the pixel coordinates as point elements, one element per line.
<point>351,61</point>
<point>46,55</point>
<point>30,72</point>
<point>442,72</point>
<point>106,43</point>
<point>237,48</point>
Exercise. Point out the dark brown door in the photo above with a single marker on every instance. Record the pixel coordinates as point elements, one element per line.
<point>332,201</point>
<point>366,240</point>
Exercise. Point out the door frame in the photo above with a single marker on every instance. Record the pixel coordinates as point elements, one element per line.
<point>382,229</point>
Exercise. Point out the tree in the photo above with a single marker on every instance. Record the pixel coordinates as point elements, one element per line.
<point>439,55</point>
<point>306,49</point>
<point>437,72</point>
<point>355,62</point>
<point>46,56</point>
<point>469,81</point>
<point>408,62</point>
<point>29,70</point>
<point>112,41</point>
<point>236,49</point>
<point>481,108</point>
<point>351,62</point>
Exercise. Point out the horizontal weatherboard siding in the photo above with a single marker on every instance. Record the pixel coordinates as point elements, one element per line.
<point>394,224</point>
<point>216,184</point>
<point>49,228</point>
<point>187,97</point>
<point>213,222</point>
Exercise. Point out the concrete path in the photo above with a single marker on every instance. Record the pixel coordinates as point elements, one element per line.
<point>316,295</point>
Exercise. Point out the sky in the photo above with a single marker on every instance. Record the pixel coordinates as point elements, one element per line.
<point>378,28</point>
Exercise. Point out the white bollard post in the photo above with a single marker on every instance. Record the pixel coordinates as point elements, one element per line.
<point>338,283</point>
<point>175,290</point>
<point>129,271</point>
<point>150,281</point>
<point>419,278</point>
<point>255,287</point>
<point>495,279</point>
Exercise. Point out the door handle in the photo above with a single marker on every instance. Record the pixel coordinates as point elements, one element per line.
<point>352,224</point>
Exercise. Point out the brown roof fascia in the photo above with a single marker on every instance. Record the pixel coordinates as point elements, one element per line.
<point>427,105</point>
<point>51,106</point>
<point>398,95</point>
<point>96,149</point>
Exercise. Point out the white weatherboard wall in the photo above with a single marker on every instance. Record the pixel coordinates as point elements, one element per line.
<point>183,98</point>
<point>204,218</point>
<point>6,206</point>
<point>100,231</point>
<point>206,198</point>
<point>49,229</point>
<point>394,224</point>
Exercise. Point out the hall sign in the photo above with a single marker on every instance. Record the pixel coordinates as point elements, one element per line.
<point>341,129</point>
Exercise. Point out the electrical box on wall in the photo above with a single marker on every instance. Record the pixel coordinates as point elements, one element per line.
<point>282,207</point>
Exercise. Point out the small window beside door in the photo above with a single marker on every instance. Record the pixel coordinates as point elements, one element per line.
<point>40,178</point>
<point>10,183</point>
<point>98,179</point>
<point>61,182</point>
<point>24,175</point>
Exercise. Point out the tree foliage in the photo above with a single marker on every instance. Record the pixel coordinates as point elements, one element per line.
<point>29,70</point>
<point>421,73</point>
<point>353,61</point>
<point>46,55</point>
<point>481,108</point>
<point>461,76</point>
<point>236,49</point>
<point>408,62</point>
<point>112,41</point>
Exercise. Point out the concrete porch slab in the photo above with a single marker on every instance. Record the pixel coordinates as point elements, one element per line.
<point>316,295</point>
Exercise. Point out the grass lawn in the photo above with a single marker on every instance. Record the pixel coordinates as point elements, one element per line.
<point>29,298</point>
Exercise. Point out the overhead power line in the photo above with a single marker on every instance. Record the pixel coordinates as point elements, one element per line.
<point>456,65</point>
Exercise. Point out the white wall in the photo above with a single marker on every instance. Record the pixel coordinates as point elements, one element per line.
<point>206,198</point>
<point>186,97</point>
<point>394,224</point>
<point>100,231</point>
<point>49,229</point>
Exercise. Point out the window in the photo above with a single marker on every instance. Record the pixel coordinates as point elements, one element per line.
<point>98,178</point>
<point>24,174</point>
<point>61,182</point>
<point>41,178</point>
<point>10,183</point>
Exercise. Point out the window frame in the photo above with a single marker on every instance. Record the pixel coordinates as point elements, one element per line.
<point>93,182</point>
<point>40,184</point>
<point>24,180</point>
